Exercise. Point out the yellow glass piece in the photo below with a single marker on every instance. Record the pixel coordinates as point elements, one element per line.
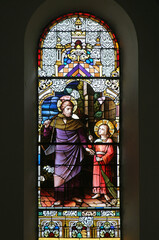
<point>82,238</point>
<point>78,22</point>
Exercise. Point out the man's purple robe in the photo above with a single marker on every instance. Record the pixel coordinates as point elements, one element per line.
<point>68,157</point>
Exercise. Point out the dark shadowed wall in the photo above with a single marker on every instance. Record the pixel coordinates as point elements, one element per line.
<point>15,19</point>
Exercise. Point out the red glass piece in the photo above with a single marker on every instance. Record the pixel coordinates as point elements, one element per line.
<point>107,235</point>
<point>78,42</point>
<point>53,22</point>
<point>51,234</point>
<point>114,35</point>
<point>39,56</point>
<point>70,14</point>
<point>39,63</point>
<point>86,14</point>
<point>58,18</point>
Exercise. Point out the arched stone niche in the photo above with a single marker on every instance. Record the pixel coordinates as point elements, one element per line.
<point>123,27</point>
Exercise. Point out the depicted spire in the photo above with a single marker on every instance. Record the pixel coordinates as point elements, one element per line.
<point>78,34</point>
<point>78,24</point>
<point>58,52</point>
<point>58,45</point>
<point>98,42</point>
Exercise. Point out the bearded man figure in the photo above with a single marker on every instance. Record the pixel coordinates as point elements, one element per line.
<point>68,153</point>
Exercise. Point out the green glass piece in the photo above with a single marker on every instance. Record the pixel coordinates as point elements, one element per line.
<point>117,214</point>
<point>79,213</point>
<point>69,90</point>
<point>40,213</point>
<point>96,106</point>
<point>79,235</point>
<point>98,213</point>
<point>59,214</point>
<point>98,114</point>
<point>96,96</point>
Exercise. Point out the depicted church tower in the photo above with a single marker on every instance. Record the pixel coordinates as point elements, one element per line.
<point>78,58</point>
<point>78,37</point>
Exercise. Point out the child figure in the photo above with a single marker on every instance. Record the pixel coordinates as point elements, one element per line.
<point>103,154</point>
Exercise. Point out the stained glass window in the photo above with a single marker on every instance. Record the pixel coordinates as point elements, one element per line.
<point>78,129</point>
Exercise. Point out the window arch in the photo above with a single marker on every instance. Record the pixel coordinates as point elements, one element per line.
<point>78,68</point>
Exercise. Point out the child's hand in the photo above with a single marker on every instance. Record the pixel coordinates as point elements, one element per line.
<point>99,159</point>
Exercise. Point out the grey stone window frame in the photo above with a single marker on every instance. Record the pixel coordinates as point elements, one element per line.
<point>125,31</point>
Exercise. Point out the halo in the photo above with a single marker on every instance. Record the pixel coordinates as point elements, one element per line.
<point>101,122</point>
<point>67,98</point>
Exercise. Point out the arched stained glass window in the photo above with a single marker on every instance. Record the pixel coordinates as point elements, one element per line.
<point>78,119</point>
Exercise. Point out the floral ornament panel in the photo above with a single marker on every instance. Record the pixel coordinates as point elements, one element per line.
<point>108,229</point>
<point>50,229</point>
<point>78,230</point>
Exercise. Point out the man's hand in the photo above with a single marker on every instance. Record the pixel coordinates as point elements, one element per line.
<point>90,151</point>
<point>47,123</point>
<point>90,137</point>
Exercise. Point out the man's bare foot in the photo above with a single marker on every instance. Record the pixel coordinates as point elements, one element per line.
<point>57,203</point>
<point>79,200</point>
<point>107,198</point>
<point>113,202</point>
<point>96,196</point>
